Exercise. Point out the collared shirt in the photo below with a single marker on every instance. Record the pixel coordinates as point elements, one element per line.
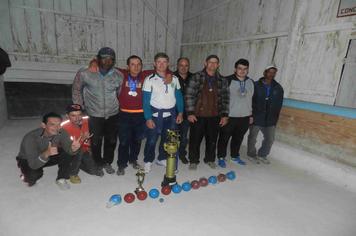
<point>162,95</point>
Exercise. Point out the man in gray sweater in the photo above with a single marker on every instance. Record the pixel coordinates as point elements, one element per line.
<point>241,91</point>
<point>47,146</point>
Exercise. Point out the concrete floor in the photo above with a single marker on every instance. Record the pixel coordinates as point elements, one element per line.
<point>265,200</point>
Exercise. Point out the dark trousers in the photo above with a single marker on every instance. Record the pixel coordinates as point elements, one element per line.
<point>183,132</point>
<point>207,127</point>
<point>132,128</point>
<point>63,160</point>
<point>152,137</point>
<point>235,129</point>
<point>106,129</point>
<point>83,161</point>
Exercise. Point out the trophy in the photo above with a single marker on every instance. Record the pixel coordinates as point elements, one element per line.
<point>140,178</point>
<point>171,147</point>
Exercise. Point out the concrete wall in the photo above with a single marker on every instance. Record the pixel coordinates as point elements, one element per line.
<point>303,38</point>
<point>48,40</point>
<point>3,110</point>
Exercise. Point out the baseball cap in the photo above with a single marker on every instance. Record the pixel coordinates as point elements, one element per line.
<point>73,107</point>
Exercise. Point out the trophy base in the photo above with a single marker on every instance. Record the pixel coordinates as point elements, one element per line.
<point>168,181</point>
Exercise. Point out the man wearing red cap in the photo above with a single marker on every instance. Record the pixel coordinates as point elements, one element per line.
<point>77,126</point>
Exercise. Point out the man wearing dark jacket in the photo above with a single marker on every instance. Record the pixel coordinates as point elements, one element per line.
<point>207,107</point>
<point>184,76</point>
<point>267,102</point>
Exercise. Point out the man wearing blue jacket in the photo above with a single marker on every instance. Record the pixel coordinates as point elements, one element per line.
<point>267,102</point>
<point>163,109</point>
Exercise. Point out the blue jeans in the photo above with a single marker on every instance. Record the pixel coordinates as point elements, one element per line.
<point>183,132</point>
<point>131,132</point>
<point>152,137</point>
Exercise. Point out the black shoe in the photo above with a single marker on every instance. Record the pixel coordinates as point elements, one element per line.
<point>108,168</point>
<point>135,165</point>
<point>99,172</point>
<point>183,159</point>
<point>120,171</point>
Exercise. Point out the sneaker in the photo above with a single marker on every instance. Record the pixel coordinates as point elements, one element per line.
<point>135,165</point>
<point>62,184</point>
<point>238,160</point>
<point>253,159</point>
<point>108,168</point>
<point>161,163</point>
<point>183,159</point>
<point>222,163</point>
<point>75,179</point>
<point>211,164</point>
<point>120,171</point>
<point>193,166</point>
<point>148,166</point>
<point>264,160</point>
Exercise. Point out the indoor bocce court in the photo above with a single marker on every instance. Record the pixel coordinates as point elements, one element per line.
<point>178,117</point>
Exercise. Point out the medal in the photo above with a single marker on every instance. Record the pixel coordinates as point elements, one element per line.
<point>210,83</point>
<point>133,86</point>
<point>242,88</point>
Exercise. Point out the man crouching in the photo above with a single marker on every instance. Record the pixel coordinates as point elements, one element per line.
<point>47,146</point>
<point>77,126</point>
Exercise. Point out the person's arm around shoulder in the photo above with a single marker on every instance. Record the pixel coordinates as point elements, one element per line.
<point>77,89</point>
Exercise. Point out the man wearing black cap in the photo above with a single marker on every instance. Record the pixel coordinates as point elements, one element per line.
<point>97,93</point>
<point>77,126</point>
<point>207,107</point>
<point>267,102</point>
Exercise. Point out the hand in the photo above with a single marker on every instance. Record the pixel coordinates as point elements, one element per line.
<point>192,118</point>
<point>168,79</point>
<point>179,118</point>
<point>150,124</point>
<point>51,151</point>
<point>223,121</point>
<point>76,144</point>
<point>86,136</point>
<point>251,120</point>
<point>93,65</point>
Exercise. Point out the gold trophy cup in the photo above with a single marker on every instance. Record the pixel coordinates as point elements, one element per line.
<point>171,147</point>
<point>140,178</point>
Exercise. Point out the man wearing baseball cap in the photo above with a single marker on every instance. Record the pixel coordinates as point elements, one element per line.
<point>97,92</point>
<point>266,105</point>
<point>77,126</point>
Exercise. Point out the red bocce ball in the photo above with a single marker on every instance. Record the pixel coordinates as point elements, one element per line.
<point>129,197</point>
<point>195,184</point>
<point>166,190</point>
<point>221,178</point>
<point>203,182</point>
<point>142,195</point>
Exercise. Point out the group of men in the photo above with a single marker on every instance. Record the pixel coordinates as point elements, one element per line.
<point>132,104</point>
